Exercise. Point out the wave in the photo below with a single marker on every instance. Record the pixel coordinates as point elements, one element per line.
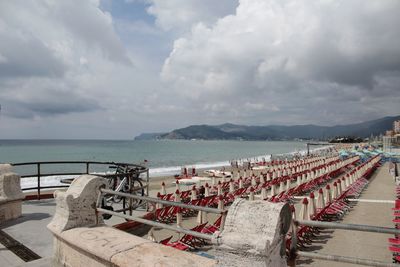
<point>171,170</point>
<point>162,171</point>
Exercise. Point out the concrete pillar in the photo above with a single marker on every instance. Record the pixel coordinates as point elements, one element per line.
<point>254,234</point>
<point>77,206</point>
<point>11,195</point>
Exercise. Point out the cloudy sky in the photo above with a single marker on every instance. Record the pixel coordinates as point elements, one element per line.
<point>113,69</point>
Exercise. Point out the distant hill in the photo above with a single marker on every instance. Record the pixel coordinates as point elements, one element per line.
<point>230,131</point>
<point>149,136</point>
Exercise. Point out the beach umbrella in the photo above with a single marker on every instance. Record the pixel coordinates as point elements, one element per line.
<point>287,185</point>
<point>220,202</point>
<point>262,179</point>
<point>298,182</point>
<point>251,195</point>
<point>253,181</point>
<point>281,187</point>
<point>219,188</point>
<point>304,215</point>
<point>264,192</point>
<point>273,193</point>
<point>163,191</point>
<point>334,191</point>
<point>312,207</point>
<point>240,182</point>
<point>320,199</point>
<point>339,187</point>
<point>231,186</point>
<point>345,182</point>
<point>268,176</point>
<point>177,196</point>
<point>193,193</point>
<point>328,194</point>
<point>206,190</point>
<point>159,205</point>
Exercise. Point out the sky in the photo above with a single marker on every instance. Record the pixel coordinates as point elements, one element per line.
<point>112,69</point>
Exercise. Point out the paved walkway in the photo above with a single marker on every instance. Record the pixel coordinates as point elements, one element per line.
<point>361,244</point>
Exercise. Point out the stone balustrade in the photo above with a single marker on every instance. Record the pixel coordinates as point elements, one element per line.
<point>82,239</point>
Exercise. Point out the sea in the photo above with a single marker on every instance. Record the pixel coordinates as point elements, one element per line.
<point>164,157</point>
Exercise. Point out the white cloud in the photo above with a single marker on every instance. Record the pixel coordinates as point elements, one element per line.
<point>180,15</point>
<point>53,51</point>
<point>71,65</point>
<point>311,61</point>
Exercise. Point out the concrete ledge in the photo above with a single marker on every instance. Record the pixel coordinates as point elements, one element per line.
<point>10,210</point>
<point>256,231</point>
<point>10,194</point>
<point>106,246</point>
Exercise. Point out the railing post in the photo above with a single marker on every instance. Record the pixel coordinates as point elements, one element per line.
<point>87,167</point>
<point>38,181</point>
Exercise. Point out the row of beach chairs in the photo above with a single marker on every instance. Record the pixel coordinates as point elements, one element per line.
<point>394,242</point>
<point>332,210</point>
<point>168,214</point>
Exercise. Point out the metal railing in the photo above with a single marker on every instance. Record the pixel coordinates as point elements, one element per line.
<point>294,252</point>
<point>178,229</point>
<point>87,165</point>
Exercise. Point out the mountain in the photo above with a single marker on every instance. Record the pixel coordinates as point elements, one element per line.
<point>230,131</point>
<point>149,136</point>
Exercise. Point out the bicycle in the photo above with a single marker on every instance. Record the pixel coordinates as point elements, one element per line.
<point>126,179</point>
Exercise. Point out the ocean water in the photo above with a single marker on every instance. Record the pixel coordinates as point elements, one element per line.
<point>164,157</point>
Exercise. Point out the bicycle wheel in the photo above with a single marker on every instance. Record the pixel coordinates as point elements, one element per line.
<point>133,204</point>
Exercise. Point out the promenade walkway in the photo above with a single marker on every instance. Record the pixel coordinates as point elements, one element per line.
<point>360,244</point>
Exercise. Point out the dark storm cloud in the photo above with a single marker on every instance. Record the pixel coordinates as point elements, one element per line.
<point>58,103</point>
<point>25,57</point>
<point>293,62</point>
